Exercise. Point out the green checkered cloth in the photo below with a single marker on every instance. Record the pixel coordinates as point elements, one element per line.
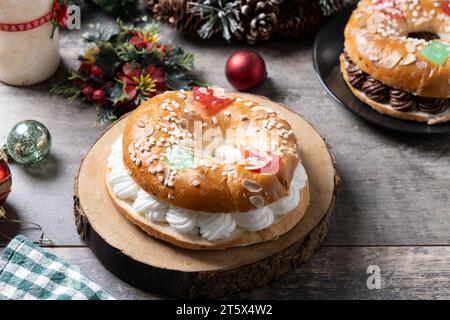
<point>28,272</point>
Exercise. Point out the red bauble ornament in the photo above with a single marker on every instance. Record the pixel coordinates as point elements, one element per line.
<point>5,181</point>
<point>245,70</point>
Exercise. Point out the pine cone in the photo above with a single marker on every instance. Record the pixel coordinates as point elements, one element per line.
<point>169,11</point>
<point>297,19</point>
<point>175,13</point>
<point>258,20</point>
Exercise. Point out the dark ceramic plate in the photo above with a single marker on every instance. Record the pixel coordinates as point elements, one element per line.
<point>328,46</point>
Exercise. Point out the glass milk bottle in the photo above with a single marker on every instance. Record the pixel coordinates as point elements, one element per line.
<point>27,54</point>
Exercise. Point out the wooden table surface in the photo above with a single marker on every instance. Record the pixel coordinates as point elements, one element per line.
<point>393,209</point>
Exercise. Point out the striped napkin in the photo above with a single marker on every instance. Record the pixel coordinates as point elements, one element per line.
<point>28,272</point>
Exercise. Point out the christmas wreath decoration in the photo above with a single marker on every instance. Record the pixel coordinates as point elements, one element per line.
<point>248,20</point>
<point>123,69</point>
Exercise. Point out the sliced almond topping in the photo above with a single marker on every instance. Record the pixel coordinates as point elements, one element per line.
<point>260,112</point>
<point>392,60</point>
<point>228,167</point>
<point>421,64</point>
<point>410,58</point>
<point>170,183</point>
<point>166,172</point>
<point>374,58</point>
<point>263,110</point>
<point>257,201</point>
<point>252,186</point>
<point>201,175</point>
<point>149,130</point>
<point>255,165</point>
<point>141,124</point>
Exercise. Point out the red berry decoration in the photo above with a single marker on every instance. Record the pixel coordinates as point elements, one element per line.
<point>446,6</point>
<point>85,67</point>
<point>5,181</point>
<point>96,71</point>
<point>87,91</point>
<point>98,94</point>
<point>245,70</point>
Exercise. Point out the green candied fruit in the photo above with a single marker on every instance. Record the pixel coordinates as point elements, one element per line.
<point>180,159</point>
<point>436,52</point>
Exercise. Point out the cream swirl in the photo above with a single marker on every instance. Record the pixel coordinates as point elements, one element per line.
<point>291,201</point>
<point>123,186</point>
<point>182,220</point>
<point>255,220</point>
<point>212,227</point>
<point>119,179</point>
<point>152,209</point>
<point>216,226</point>
<point>115,158</point>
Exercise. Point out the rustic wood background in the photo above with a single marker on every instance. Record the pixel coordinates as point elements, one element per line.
<point>393,209</point>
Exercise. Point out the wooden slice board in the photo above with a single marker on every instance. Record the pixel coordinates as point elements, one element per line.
<point>161,267</point>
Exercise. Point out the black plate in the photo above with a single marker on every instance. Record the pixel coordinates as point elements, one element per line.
<point>328,45</point>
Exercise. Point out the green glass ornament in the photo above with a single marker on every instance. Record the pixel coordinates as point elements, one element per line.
<point>28,143</point>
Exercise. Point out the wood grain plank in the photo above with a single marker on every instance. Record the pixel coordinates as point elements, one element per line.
<point>333,273</point>
<point>395,186</point>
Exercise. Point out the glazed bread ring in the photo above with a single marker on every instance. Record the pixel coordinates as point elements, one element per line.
<point>205,170</point>
<point>397,57</point>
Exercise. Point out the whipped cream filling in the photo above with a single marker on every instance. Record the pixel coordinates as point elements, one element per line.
<point>212,227</point>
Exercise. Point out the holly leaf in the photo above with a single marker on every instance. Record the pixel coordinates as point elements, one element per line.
<point>152,28</point>
<point>117,93</point>
<point>114,50</point>
<point>154,57</point>
<point>107,59</point>
<point>179,80</point>
<point>177,59</point>
<point>127,52</point>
